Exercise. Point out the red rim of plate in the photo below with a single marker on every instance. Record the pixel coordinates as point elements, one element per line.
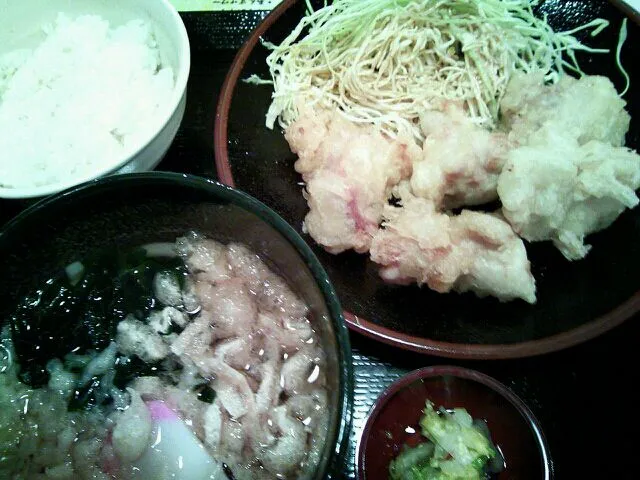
<point>460,372</point>
<point>372,330</point>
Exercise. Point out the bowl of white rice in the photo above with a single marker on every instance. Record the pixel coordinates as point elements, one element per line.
<point>88,88</point>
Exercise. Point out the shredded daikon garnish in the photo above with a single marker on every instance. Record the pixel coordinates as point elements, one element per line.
<point>385,61</point>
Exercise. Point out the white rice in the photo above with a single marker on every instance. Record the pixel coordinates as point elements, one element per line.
<point>73,105</point>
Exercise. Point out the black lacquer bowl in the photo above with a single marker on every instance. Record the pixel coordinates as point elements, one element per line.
<point>394,421</point>
<point>576,301</point>
<point>135,209</point>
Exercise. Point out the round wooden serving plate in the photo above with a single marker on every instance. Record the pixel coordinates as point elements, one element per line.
<point>576,300</point>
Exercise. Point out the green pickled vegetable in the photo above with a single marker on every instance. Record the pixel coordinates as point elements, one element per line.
<point>408,464</point>
<point>457,435</point>
<point>457,449</point>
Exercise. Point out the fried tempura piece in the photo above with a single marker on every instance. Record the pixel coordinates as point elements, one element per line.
<point>349,170</point>
<point>555,189</point>
<point>586,109</point>
<point>461,161</point>
<point>472,251</point>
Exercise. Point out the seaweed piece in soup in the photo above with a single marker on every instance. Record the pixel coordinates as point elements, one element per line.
<point>81,313</point>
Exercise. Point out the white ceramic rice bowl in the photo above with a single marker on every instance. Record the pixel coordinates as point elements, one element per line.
<point>21,27</point>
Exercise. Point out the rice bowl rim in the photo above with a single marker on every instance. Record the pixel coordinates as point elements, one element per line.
<point>181,73</point>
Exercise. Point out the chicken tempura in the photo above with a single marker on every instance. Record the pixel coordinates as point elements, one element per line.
<point>555,189</point>
<point>349,171</point>
<point>461,161</point>
<point>473,251</point>
<point>587,109</point>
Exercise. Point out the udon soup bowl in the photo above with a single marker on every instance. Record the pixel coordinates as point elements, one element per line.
<point>136,209</point>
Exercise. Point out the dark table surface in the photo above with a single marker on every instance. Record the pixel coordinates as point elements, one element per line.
<point>584,396</point>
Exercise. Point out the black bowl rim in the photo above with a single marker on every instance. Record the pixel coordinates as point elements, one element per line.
<point>460,373</point>
<point>249,203</point>
<point>529,348</point>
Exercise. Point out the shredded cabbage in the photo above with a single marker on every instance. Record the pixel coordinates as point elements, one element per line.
<point>621,40</point>
<point>385,61</point>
